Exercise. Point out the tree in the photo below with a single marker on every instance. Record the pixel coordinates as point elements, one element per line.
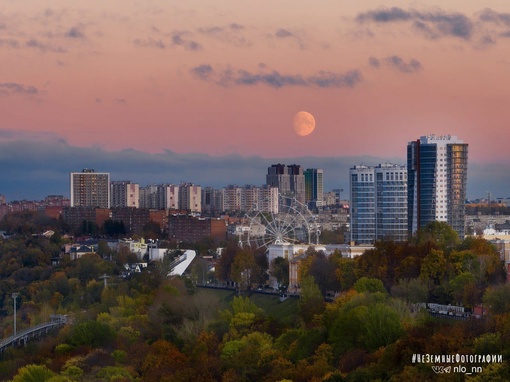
<point>439,233</point>
<point>382,325</point>
<point>345,273</point>
<point>370,285</point>
<point>311,302</point>
<point>33,373</point>
<point>412,291</point>
<point>91,333</point>
<point>323,271</point>
<point>462,287</point>
<point>498,298</point>
<point>244,268</point>
<point>433,266</point>
<point>280,270</point>
<point>224,265</point>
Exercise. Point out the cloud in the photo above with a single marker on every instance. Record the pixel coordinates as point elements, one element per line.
<point>275,79</point>
<point>36,44</point>
<point>75,32</point>
<point>37,164</point>
<point>9,43</point>
<point>434,24</point>
<point>385,15</point>
<point>12,88</point>
<point>230,34</point>
<point>374,62</point>
<point>398,63</point>
<point>180,39</point>
<point>283,33</point>
<point>150,43</point>
<point>491,16</point>
<point>203,72</point>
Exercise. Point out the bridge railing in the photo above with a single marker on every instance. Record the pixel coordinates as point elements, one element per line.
<point>24,335</point>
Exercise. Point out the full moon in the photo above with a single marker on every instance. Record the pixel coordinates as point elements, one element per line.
<point>304,123</point>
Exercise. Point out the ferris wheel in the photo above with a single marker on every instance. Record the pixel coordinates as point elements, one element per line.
<point>292,224</point>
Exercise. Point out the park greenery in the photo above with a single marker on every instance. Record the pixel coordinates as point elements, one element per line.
<point>149,327</point>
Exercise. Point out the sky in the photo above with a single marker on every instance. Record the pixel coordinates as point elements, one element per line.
<point>169,91</point>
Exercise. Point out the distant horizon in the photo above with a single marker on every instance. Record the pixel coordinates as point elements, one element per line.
<point>33,169</point>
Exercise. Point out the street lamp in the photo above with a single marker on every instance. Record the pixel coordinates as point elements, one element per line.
<point>14,296</point>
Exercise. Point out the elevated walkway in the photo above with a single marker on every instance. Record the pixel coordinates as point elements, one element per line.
<point>22,337</point>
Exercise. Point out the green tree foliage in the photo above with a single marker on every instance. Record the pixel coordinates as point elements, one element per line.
<point>311,302</point>
<point>464,290</point>
<point>365,321</point>
<point>33,373</point>
<point>433,266</point>
<point>369,285</point>
<point>345,272</point>
<point>91,333</point>
<point>498,298</point>
<point>279,269</point>
<point>249,356</point>
<point>412,291</point>
<point>439,233</point>
<point>323,270</point>
<point>244,269</point>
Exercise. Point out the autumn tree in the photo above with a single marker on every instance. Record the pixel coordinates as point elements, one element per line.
<point>279,269</point>
<point>311,301</point>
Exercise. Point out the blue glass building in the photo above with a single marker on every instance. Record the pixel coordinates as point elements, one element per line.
<point>378,205</point>
<point>437,178</point>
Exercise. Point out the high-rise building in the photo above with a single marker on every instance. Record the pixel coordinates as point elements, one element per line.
<point>90,189</point>
<point>437,178</point>
<point>212,199</point>
<point>378,206</point>
<point>278,176</point>
<point>190,197</point>
<point>290,180</point>
<point>159,197</point>
<point>124,193</point>
<point>249,198</point>
<point>314,187</point>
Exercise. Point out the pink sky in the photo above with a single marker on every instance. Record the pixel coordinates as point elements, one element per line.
<point>228,76</point>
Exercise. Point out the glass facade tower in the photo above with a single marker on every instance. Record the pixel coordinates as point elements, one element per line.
<point>378,207</point>
<point>437,178</point>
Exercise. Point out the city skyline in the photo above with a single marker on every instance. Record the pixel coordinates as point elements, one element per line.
<point>195,86</point>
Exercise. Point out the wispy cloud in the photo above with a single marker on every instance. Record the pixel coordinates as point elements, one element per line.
<point>492,16</point>
<point>396,62</point>
<point>482,28</point>
<point>275,79</point>
<point>44,47</point>
<point>75,32</point>
<point>433,24</point>
<point>11,88</point>
<point>283,33</point>
<point>181,38</point>
<point>149,42</point>
<point>9,43</point>
<point>231,34</point>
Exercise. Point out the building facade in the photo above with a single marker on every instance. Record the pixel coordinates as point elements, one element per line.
<point>159,197</point>
<point>124,193</point>
<point>437,179</point>
<point>90,189</point>
<point>314,187</point>
<point>378,206</point>
<point>190,197</point>
<point>290,180</point>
